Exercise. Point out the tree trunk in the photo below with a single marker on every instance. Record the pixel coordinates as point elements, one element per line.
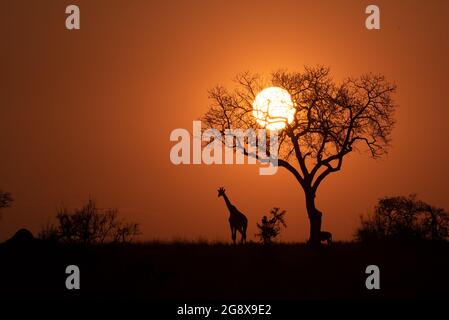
<point>314,219</point>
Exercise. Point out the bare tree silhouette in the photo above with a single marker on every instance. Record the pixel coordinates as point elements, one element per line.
<point>331,120</point>
<point>5,199</point>
<point>90,225</point>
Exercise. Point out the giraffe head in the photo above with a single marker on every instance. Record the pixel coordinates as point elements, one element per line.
<point>221,192</point>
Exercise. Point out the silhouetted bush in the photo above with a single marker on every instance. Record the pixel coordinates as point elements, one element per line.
<point>89,225</point>
<point>5,199</point>
<point>404,218</point>
<point>270,228</point>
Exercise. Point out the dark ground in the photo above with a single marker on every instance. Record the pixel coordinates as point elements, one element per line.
<point>219,272</point>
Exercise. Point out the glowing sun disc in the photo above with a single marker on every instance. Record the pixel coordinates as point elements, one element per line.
<point>273,108</point>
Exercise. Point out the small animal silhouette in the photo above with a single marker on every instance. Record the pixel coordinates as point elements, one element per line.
<point>237,220</point>
<point>326,236</point>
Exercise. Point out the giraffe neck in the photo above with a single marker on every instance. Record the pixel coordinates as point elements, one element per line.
<point>228,203</point>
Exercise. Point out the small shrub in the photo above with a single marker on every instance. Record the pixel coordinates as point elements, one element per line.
<point>270,228</point>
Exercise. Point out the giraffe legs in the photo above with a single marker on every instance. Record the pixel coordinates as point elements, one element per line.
<point>243,232</point>
<point>233,233</point>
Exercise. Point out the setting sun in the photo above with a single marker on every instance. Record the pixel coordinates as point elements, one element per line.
<point>273,108</point>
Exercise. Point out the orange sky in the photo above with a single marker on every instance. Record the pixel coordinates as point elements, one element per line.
<point>90,112</point>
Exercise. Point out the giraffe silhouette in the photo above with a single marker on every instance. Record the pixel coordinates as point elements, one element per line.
<point>237,220</point>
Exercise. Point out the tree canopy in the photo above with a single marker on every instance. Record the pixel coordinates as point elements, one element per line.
<point>331,119</point>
